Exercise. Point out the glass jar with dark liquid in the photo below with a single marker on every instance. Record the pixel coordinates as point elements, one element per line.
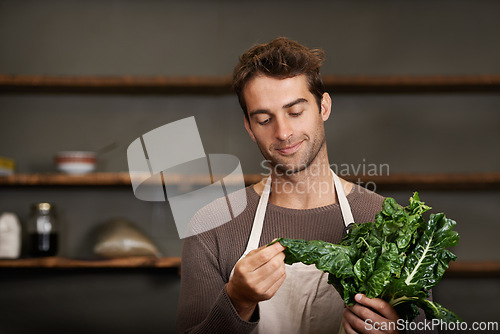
<point>42,231</point>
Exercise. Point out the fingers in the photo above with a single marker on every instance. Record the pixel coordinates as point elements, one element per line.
<point>258,275</point>
<point>380,306</point>
<point>370,315</point>
<point>348,319</point>
<point>263,255</point>
<point>265,270</point>
<point>267,279</point>
<point>361,319</point>
<point>277,283</point>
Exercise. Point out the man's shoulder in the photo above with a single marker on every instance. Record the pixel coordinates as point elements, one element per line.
<point>222,210</point>
<point>365,193</point>
<point>366,200</point>
<point>237,201</point>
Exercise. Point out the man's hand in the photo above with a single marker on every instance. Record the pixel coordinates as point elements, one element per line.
<point>256,277</point>
<point>370,315</point>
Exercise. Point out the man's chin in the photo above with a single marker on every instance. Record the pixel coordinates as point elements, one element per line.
<point>289,169</point>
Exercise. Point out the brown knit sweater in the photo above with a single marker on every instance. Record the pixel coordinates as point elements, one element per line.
<point>208,258</point>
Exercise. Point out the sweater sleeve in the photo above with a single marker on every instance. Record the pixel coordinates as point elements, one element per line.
<point>204,306</point>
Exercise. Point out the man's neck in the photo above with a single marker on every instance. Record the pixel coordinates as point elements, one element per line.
<point>310,188</point>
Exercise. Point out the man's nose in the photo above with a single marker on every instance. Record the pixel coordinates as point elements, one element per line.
<point>283,129</point>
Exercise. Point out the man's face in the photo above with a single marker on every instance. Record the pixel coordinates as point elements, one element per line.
<point>285,121</point>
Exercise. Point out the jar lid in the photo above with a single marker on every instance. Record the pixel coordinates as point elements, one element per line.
<point>42,207</point>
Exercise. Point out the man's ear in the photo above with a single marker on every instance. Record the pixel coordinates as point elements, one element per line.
<point>249,129</point>
<point>326,106</point>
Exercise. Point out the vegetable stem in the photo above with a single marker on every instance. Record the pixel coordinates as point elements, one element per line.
<point>400,300</point>
<point>367,245</point>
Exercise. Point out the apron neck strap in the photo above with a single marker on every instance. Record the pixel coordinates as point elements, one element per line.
<point>345,208</point>
<point>258,222</point>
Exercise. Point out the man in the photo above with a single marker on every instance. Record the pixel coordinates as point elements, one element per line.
<point>231,282</point>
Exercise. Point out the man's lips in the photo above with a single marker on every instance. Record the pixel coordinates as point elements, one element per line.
<point>289,149</point>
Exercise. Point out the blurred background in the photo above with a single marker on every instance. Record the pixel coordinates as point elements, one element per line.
<point>415,88</point>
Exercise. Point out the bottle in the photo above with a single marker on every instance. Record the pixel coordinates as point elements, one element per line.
<point>10,236</point>
<point>42,231</point>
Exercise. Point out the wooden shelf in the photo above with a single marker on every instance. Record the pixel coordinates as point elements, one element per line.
<point>222,84</point>
<point>59,179</point>
<point>434,181</point>
<point>127,262</point>
<point>470,181</point>
<point>456,270</point>
<point>98,179</point>
<point>477,269</point>
<point>413,84</point>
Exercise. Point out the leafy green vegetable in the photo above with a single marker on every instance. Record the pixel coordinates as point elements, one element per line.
<point>398,258</point>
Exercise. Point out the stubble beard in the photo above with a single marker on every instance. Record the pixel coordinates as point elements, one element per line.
<point>280,165</point>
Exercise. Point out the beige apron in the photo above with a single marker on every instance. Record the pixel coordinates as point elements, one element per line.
<point>305,302</point>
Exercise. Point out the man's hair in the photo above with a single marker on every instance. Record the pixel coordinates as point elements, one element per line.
<point>280,58</point>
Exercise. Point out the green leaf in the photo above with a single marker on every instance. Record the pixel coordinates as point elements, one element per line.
<point>327,257</point>
<point>416,206</point>
<point>407,232</point>
<point>407,311</point>
<point>365,265</point>
<point>390,206</point>
<point>436,311</point>
<point>424,268</point>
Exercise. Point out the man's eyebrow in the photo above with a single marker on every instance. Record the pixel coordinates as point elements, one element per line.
<point>286,106</point>
<point>258,111</point>
<point>291,104</point>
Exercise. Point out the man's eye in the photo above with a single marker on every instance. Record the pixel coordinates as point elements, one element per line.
<point>264,122</point>
<point>295,114</point>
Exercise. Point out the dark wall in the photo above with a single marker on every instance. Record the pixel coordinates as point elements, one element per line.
<point>205,37</point>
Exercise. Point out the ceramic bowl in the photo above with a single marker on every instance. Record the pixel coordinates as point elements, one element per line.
<point>75,162</point>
